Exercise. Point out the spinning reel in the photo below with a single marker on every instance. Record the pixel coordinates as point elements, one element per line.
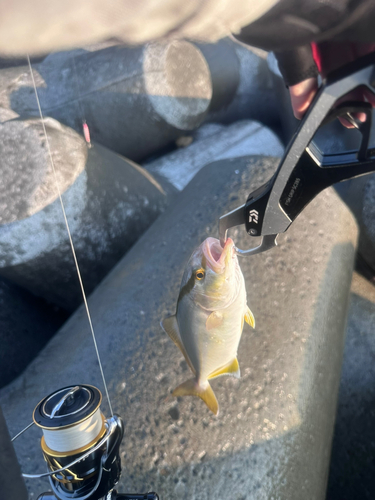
<point>80,446</point>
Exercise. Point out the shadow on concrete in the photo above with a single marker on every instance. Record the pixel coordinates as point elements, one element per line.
<point>352,471</point>
<point>26,325</point>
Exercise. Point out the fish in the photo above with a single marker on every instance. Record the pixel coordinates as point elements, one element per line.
<point>209,320</point>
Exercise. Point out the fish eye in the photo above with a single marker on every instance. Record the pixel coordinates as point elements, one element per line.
<point>200,274</point>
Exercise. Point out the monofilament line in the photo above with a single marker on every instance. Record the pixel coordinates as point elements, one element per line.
<point>69,235</point>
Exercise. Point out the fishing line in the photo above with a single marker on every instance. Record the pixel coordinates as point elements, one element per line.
<point>85,127</point>
<point>21,432</point>
<point>70,237</point>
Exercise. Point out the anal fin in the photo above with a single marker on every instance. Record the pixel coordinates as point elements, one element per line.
<point>170,326</point>
<point>192,388</point>
<point>232,368</point>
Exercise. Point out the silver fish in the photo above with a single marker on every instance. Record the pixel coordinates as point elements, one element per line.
<point>211,310</point>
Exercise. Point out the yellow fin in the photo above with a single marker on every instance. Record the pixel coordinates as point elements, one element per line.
<point>214,319</point>
<point>170,326</point>
<point>249,318</point>
<point>191,388</point>
<point>233,369</point>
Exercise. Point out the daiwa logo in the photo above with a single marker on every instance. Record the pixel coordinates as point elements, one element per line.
<point>253,216</point>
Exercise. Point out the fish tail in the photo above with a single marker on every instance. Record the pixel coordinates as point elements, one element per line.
<point>193,388</point>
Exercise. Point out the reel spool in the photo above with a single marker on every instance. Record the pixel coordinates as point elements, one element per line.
<point>80,446</point>
<point>73,426</point>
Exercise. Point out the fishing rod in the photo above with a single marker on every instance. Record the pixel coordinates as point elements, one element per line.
<point>80,446</point>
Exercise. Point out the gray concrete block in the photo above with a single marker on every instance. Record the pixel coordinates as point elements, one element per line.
<point>157,91</point>
<point>213,142</point>
<point>27,183</point>
<point>135,100</point>
<point>225,69</point>
<point>109,202</point>
<point>368,220</point>
<point>255,98</point>
<point>273,436</point>
<point>26,325</point>
<point>12,484</point>
<point>352,469</point>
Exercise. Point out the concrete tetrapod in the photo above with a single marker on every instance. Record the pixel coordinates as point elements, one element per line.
<point>214,142</point>
<point>138,100</point>
<point>109,202</point>
<point>135,100</point>
<point>272,438</point>
<point>255,97</point>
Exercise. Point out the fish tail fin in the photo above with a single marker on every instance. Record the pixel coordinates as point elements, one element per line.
<point>192,388</point>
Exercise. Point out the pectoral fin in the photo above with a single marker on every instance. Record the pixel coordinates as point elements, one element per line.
<point>170,326</point>
<point>233,369</point>
<point>249,317</point>
<point>214,319</point>
<point>192,388</point>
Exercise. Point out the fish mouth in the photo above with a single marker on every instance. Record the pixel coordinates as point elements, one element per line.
<point>218,257</point>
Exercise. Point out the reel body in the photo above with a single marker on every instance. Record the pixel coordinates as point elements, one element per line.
<point>80,446</point>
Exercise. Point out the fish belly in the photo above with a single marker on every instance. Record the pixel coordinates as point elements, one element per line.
<point>222,345</point>
<point>224,340</point>
<point>209,350</point>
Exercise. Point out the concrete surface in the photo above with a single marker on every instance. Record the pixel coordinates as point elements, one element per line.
<point>255,97</point>
<point>352,467</point>
<point>224,66</point>
<point>27,182</point>
<point>273,436</point>
<point>11,485</point>
<point>156,92</point>
<point>109,202</point>
<point>26,325</point>
<point>213,142</point>
<point>125,94</point>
